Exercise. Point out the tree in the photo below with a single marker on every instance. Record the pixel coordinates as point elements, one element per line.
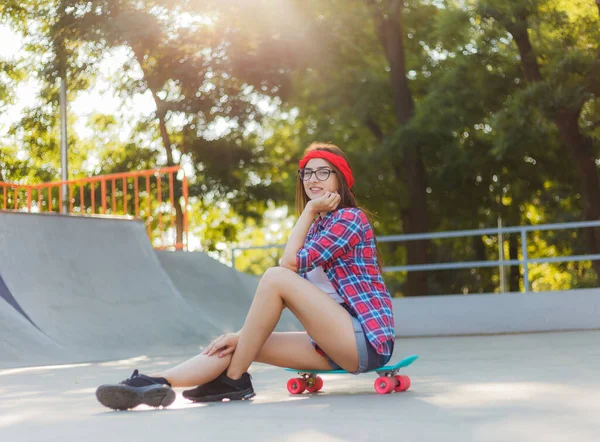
<point>10,75</point>
<point>195,73</point>
<point>562,79</point>
<point>486,152</point>
<point>406,156</point>
<point>440,106</point>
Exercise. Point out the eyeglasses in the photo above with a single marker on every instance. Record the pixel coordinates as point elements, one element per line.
<point>322,174</point>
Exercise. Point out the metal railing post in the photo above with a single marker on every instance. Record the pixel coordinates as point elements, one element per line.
<point>501,269</point>
<point>186,196</point>
<point>29,198</point>
<point>525,258</point>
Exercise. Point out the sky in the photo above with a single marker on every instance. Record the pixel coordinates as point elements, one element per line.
<point>10,42</point>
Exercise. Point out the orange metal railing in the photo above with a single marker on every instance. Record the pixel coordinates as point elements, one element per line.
<point>157,200</point>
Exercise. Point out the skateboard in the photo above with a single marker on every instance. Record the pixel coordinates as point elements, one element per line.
<point>388,378</point>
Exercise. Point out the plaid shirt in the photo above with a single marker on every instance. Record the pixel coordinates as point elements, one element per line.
<point>343,244</point>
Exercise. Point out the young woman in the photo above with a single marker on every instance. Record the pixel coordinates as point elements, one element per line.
<point>329,278</point>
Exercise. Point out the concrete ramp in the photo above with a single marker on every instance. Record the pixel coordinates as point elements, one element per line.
<point>23,344</point>
<point>217,290</point>
<point>95,286</point>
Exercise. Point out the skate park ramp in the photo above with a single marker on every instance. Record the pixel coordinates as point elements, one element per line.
<point>95,287</point>
<point>217,290</point>
<point>21,343</point>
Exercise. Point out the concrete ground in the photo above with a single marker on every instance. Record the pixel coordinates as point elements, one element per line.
<point>530,387</point>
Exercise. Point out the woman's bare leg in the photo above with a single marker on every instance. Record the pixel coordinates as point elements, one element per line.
<point>195,371</point>
<point>324,319</point>
<point>292,349</point>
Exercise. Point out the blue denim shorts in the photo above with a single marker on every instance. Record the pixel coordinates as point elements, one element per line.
<point>368,358</point>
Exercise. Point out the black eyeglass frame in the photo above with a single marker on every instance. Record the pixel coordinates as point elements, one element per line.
<point>316,172</point>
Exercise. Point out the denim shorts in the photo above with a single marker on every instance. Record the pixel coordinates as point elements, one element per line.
<point>368,358</point>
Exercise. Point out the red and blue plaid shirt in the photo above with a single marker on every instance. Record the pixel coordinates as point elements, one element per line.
<point>343,244</point>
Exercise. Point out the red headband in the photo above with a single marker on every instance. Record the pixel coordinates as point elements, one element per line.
<point>334,159</point>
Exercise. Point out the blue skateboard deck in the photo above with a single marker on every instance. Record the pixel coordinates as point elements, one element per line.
<point>387,381</point>
<point>403,363</point>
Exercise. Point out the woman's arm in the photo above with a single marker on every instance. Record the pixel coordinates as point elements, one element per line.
<point>297,238</point>
<point>345,231</point>
<point>326,203</point>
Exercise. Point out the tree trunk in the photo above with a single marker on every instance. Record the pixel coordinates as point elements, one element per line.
<point>529,62</point>
<point>166,139</point>
<point>580,151</point>
<point>408,167</point>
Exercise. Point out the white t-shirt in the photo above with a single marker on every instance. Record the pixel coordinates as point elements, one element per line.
<point>319,278</point>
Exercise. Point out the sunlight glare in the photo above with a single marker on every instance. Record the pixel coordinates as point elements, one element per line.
<point>125,362</point>
<point>11,43</point>
<point>11,371</point>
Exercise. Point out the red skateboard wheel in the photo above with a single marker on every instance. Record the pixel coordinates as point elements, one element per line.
<point>402,383</point>
<point>316,386</point>
<point>296,385</point>
<point>384,385</point>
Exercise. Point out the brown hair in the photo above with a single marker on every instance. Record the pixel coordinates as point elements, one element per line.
<point>347,197</point>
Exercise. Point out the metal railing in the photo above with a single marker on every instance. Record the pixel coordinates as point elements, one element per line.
<point>153,200</point>
<point>524,261</point>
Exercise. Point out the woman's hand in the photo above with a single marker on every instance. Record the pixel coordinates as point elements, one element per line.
<point>224,345</point>
<point>326,203</point>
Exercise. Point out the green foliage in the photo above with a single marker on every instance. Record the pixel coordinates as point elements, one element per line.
<point>237,103</point>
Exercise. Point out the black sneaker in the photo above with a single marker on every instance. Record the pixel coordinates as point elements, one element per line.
<point>222,388</point>
<point>136,390</point>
